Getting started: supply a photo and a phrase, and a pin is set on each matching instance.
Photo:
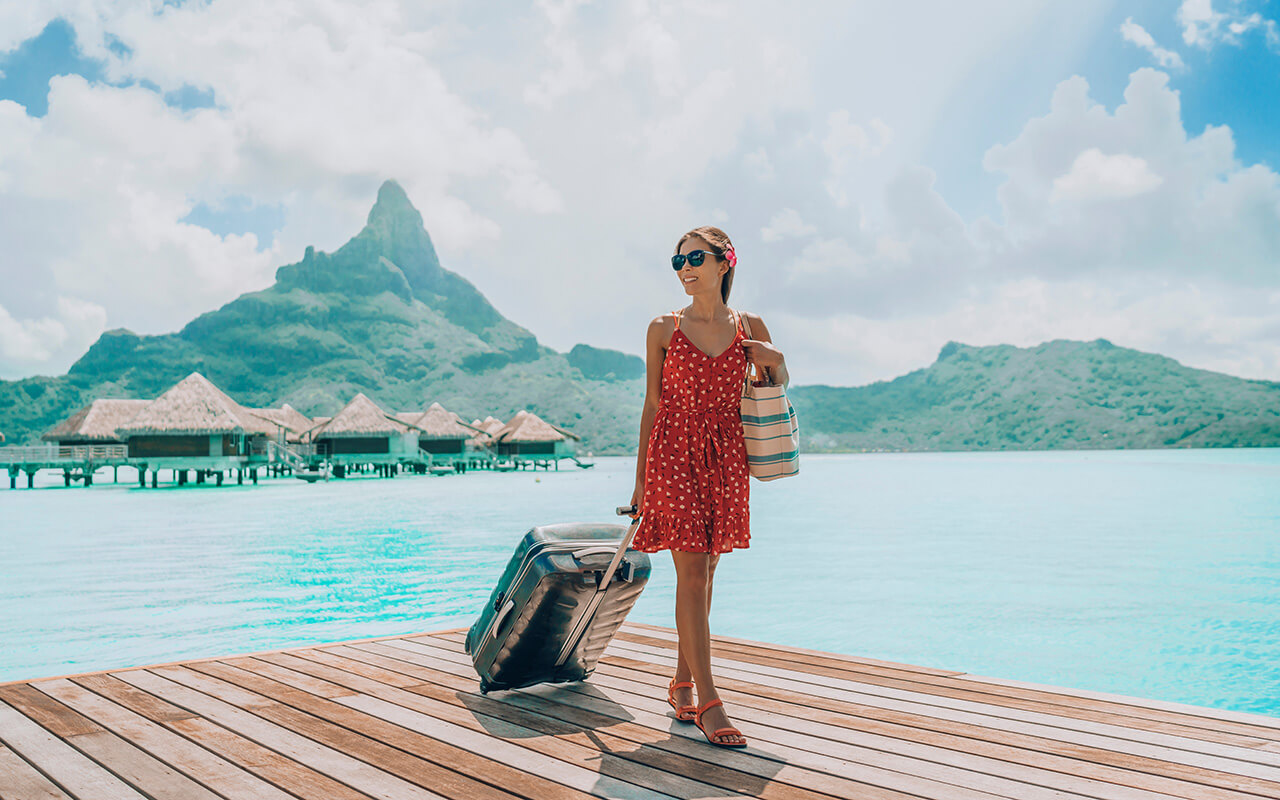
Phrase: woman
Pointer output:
(691, 472)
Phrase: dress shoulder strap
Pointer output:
(677, 314)
(743, 325)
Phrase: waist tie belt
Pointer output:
(705, 448)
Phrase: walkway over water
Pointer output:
(402, 717)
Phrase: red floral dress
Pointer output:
(695, 473)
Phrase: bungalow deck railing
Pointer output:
(296, 456)
(52, 453)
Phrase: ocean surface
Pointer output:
(1146, 573)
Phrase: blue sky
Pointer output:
(895, 175)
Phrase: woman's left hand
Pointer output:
(762, 354)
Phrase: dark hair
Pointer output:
(719, 242)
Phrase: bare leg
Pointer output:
(684, 696)
(693, 571)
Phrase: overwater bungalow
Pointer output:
(363, 433)
(290, 423)
(485, 430)
(96, 423)
(443, 433)
(195, 425)
(527, 437)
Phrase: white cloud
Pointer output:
(1117, 224)
(848, 142)
(1206, 215)
(1203, 27)
(1135, 33)
(1095, 175)
(28, 343)
(786, 224)
(558, 176)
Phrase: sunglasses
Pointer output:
(694, 257)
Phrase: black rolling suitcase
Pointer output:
(563, 595)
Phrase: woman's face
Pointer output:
(705, 278)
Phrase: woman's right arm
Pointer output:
(655, 352)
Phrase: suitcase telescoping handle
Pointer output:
(623, 511)
(571, 641)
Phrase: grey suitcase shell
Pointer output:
(546, 621)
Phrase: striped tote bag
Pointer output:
(769, 426)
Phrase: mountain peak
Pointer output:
(393, 206)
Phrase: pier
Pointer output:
(402, 717)
(79, 465)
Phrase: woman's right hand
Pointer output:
(637, 499)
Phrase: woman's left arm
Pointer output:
(761, 351)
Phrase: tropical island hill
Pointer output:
(381, 316)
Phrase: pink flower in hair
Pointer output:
(731, 257)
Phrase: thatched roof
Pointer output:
(440, 423)
(408, 417)
(360, 417)
(194, 406)
(96, 422)
(480, 432)
(527, 426)
(293, 421)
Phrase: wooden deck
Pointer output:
(402, 718)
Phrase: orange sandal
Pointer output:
(720, 731)
(671, 700)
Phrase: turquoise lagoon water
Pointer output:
(1147, 573)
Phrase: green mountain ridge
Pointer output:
(380, 315)
(1059, 394)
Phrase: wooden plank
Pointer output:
(862, 692)
(21, 781)
(130, 764)
(643, 627)
(139, 702)
(280, 771)
(478, 766)
(78, 775)
(1245, 717)
(410, 755)
(110, 670)
(998, 715)
(1220, 731)
(1119, 709)
(1166, 778)
(1256, 724)
(903, 755)
(136, 767)
(1092, 762)
(647, 746)
(349, 771)
(519, 746)
(1226, 779)
(808, 662)
(908, 783)
(780, 778)
(217, 774)
(53, 716)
